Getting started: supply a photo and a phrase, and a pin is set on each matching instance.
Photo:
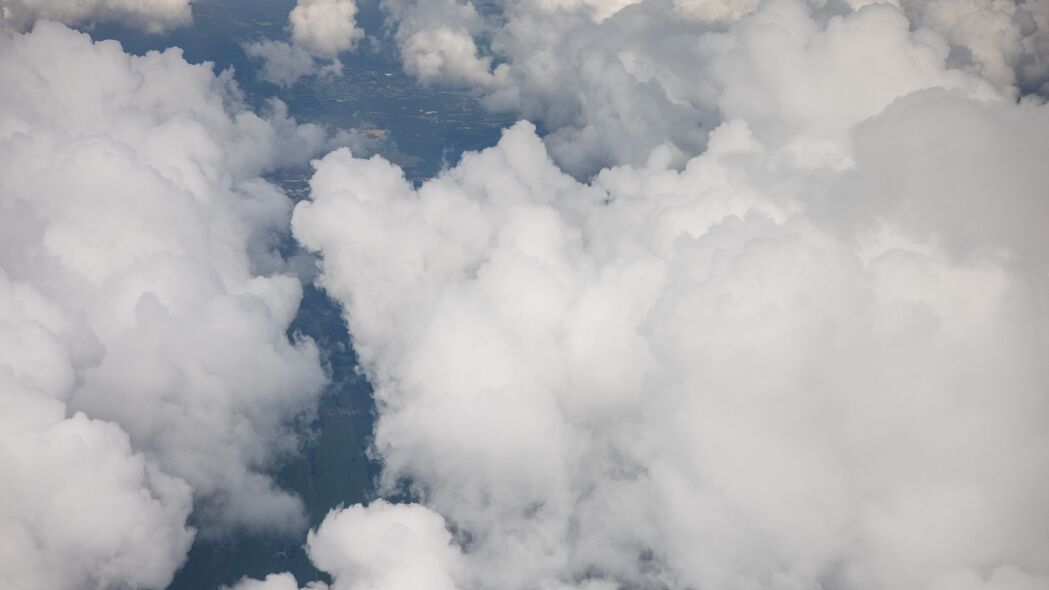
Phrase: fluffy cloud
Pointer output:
(277, 582)
(283, 63)
(79, 507)
(320, 31)
(144, 311)
(153, 15)
(325, 27)
(595, 72)
(436, 41)
(385, 547)
(810, 356)
(789, 333)
(379, 547)
(1007, 41)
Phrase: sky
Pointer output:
(638, 294)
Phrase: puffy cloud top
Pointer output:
(143, 310)
(385, 547)
(810, 356)
(79, 506)
(325, 27)
(787, 332)
(277, 582)
(153, 15)
(320, 31)
(379, 547)
(688, 379)
(612, 80)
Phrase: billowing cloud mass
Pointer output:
(153, 15)
(78, 508)
(1005, 40)
(325, 27)
(320, 31)
(594, 72)
(379, 547)
(385, 547)
(759, 304)
(811, 356)
(144, 311)
(283, 63)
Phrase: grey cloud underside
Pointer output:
(152, 15)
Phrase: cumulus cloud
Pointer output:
(325, 27)
(436, 41)
(144, 310)
(377, 547)
(282, 63)
(79, 507)
(153, 15)
(594, 72)
(320, 31)
(385, 547)
(762, 307)
(809, 356)
(1006, 41)
(277, 582)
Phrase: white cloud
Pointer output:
(385, 547)
(79, 506)
(436, 41)
(1006, 41)
(447, 55)
(649, 70)
(793, 337)
(810, 356)
(144, 311)
(320, 31)
(282, 63)
(325, 27)
(277, 582)
(377, 547)
(153, 15)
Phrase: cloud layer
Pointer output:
(320, 31)
(810, 356)
(79, 506)
(145, 357)
(761, 303)
(152, 15)
(593, 72)
(379, 547)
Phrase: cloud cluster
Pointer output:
(436, 41)
(277, 582)
(595, 71)
(153, 15)
(1007, 41)
(810, 356)
(325, 27)
(79, 507)
(788, 332)
(379, 547)
(320, 31)
(144, 309)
